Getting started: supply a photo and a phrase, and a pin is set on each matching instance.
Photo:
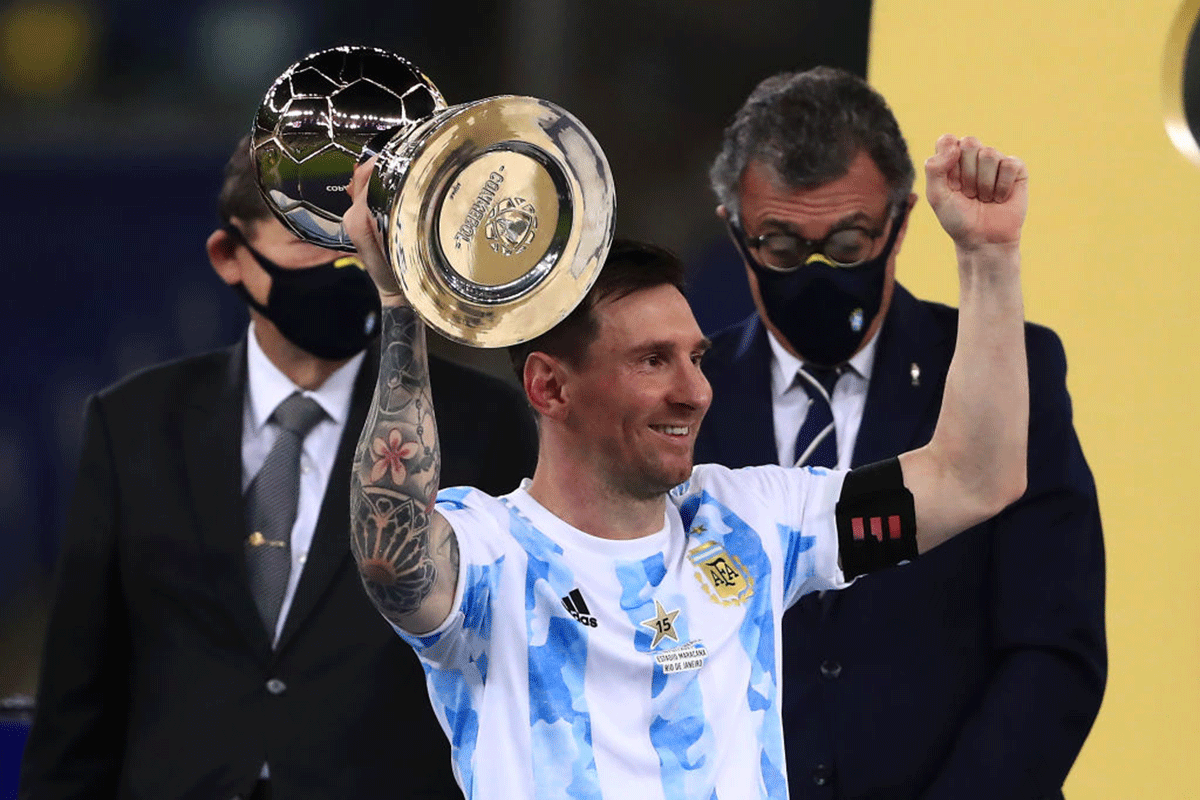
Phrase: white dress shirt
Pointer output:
(266, 388)
(790, 402)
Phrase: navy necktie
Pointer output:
(816, 444)
(271, 507)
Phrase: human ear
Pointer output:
(222, 254)
(544, 380)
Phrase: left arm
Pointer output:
(974, 465)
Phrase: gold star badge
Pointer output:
(662, 623)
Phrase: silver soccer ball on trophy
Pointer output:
(316, 121)
(497, 213)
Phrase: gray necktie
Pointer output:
(271, 507)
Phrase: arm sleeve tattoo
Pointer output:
(395, 476)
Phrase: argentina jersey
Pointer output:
(579, 667)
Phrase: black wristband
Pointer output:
(876, 520)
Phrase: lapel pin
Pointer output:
(914, 372)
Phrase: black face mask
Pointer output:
(823, 311)
(331, 310)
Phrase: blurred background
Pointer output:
(116, 118)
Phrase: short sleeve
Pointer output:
(477, 520)
(792, 511)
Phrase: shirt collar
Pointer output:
(784, 365)
(268, 386)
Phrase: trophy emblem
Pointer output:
(497, 213)
(511, 226)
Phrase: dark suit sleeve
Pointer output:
(1048, 615)
(510, 442)
(75, 747)
(487, 430)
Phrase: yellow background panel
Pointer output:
(1112, 262)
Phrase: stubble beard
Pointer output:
(650, 482)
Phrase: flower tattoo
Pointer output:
(390, 455)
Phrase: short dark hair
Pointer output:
(240, 196)
(630, 267)
(806, 128)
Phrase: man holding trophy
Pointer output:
(612, 626)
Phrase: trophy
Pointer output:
(497, 214)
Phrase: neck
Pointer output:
(583, 499)
(302, 368)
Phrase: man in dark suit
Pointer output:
(162, 676)
(977, 670)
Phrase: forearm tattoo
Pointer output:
(395, 476)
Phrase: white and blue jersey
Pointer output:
(578, 667)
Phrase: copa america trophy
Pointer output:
(497, 214)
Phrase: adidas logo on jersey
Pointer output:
(578, 609)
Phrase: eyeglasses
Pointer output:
(844, 247)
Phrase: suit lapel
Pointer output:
(741, 421)
(330, 550)
(212, 445)
(901, 411)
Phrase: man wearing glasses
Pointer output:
(976, 672)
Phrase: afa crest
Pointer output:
(721, 574)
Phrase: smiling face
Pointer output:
(637, 398)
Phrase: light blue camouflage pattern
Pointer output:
(557, 659)
(566, 662)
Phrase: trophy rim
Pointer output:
(491, 316)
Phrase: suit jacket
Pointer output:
(158, 678)
(975, 671)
